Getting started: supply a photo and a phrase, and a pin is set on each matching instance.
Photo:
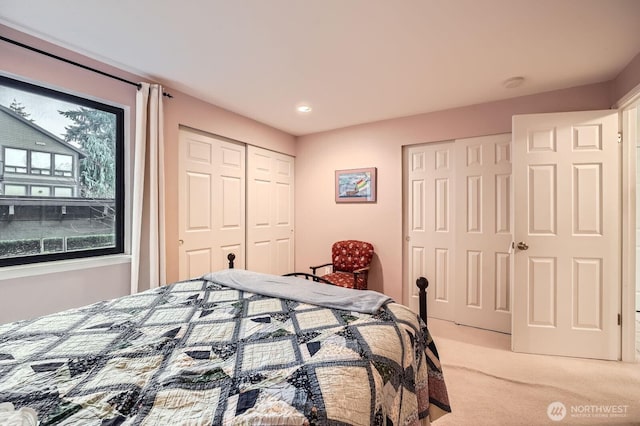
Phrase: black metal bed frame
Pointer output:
(422, 283)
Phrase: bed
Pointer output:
(231, 347)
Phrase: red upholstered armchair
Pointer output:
(350, 264)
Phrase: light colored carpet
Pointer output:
(490, 385)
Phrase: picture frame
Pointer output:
(356, 185)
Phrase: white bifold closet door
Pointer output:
(430, 222)
(270, 226)
(211, 211)
(459, 226)
(233, 198)
(484, 227)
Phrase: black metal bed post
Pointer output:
(422, 284)
(231, 257)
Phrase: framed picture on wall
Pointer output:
(356, 185)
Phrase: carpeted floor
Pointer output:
(490, 385)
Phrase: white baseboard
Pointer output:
(637, 300)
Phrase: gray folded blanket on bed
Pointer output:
(301, 290)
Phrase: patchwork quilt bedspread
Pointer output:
(198, 352)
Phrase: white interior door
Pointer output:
(430, 226)
(270, 225)
(211, 212)
(567, 211)
(483, 232)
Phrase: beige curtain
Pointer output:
(147, 222)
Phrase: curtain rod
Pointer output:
(77, 64)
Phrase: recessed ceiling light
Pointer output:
(304, 108)
(513, 82)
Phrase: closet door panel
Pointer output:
(430, 238)
(270, 226)
(483, 218)
(211, 212)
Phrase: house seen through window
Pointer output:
(61, 175)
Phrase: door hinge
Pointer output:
(619, 137)
(619, 319)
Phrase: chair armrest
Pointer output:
(364, 272)
(313, 268)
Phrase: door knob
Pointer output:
(522, 245)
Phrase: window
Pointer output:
(15, 160)
(62, 170)
(63, 165)
(40, 191)
(40, 163)
(62, 191)
(15, 190)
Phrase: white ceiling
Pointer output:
(353, 61)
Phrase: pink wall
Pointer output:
(62, 290)
(92, 284)
(320, 221)
(626, 81)
(191, 112)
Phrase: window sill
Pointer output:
(22, 271)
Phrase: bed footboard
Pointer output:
(421, 282)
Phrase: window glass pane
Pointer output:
(62, 191)
(15, 189)
(40, 160)
(40, 191)
(78, 152)
(15, 157)
(63, 162)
